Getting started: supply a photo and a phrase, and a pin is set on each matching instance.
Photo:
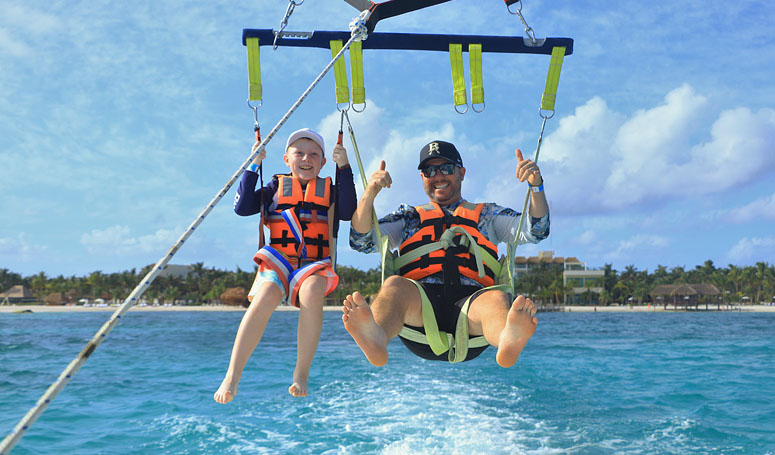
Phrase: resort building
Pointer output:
(577, 278)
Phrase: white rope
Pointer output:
(18, 432)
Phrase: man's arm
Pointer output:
(362, 218)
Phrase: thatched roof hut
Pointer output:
(685, 294)
(681, 290)
(56, 298)
(17, 292)
(235, 296)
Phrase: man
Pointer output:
(446, 291)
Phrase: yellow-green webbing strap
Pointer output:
(383, 241)
(254, 70)
(552, 79)
(477, 85)
(458, 78)
(456, 345)
(340, 74)
(356, 67)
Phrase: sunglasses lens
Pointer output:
(446, 169)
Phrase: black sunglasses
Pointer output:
(446, 169)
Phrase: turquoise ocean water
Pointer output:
(591, 383)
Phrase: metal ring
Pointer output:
(473, 106)
(359, 111)
(541, 114)
(456, 109)
(344, 109)
(508, 7)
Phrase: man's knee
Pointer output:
(397, 283)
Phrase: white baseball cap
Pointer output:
(306, 133)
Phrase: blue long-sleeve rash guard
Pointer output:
(248, 199)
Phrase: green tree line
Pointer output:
(543, 281)
(756, 282)
(202, 285)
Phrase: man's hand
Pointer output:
(379, 179)
(528, 170)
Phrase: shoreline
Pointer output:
(558, 309)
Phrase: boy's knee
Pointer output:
(267, 294)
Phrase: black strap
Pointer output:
(392, 8)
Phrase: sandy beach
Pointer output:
(570, 309)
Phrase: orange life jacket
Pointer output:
(311, 207)
(454, 260)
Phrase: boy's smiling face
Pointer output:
(305, 159)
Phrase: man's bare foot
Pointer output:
(359, 323)
(227, 391)
(520, 326)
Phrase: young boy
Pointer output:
(301, 210)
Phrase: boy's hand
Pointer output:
(261, 155)
(339, 156)
(528, 170)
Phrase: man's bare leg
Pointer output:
(505, 326)
(250, 331)
(308, 333)
(397, 302)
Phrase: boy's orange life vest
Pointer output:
(433, 222)
(311, 207)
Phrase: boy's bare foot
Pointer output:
(299, 386)
(298, 390)
(520, 326)
(359, 323)
(227, 391)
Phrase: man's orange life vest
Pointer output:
(311, 208)
(454, 260)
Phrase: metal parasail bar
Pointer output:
(413, 41)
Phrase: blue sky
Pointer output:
(120, 121)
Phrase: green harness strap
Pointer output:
(458, 78)
(340, 74)
(254, 70)
(477, 84)
(439, 341)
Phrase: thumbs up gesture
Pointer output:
(379, 179)
(528, 170)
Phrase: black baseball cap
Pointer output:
(440, 149)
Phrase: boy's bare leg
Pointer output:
(250, 331)
(372, 327)
(308, 333)
(505, 326)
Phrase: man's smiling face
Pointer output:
(443, 189)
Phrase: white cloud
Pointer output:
(599, 160)
(118, 240)
(762, 208)
(19, 248)
(630, 248)
(749, 250)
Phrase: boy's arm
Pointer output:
(247, 201)
(346, 200)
